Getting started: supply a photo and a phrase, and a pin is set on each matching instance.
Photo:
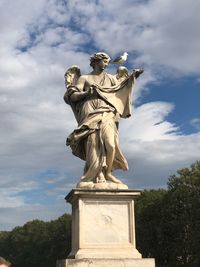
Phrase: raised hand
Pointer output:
(138, 72)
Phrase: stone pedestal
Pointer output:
(103, 229)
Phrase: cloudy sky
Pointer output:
(39, 41)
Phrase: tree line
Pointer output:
(167, 228)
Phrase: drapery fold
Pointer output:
(97, 117)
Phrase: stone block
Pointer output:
(106, 263)
(103, 229)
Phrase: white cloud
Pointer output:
(11, 217)
(152, 162)
(149, 31)
(11, 198)
(154, 147)
(163, 33)
(149, 123)
(195, 122)
(38, 42)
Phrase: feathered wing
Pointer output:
(116, 60)
(72, 75)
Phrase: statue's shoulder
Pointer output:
(112, 78)
(86, 77)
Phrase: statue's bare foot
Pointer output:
(113, 179)
(101, 178)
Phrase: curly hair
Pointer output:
(98, 56)
(5, 262)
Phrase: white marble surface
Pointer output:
(103, 230)
(107, 263)
(110, 223)
(103, 186)
(103, 224)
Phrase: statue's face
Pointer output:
(102, 63)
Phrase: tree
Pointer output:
(38, 243)
(148, 223)
(181, 217)
(168, 221)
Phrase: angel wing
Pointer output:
(71, 75)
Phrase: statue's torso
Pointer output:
(94, 103)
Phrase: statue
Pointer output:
(98, 101)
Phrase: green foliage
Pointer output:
(37, 243)
(148, 223)
(181, 217)
(168, 221)
(189, 177)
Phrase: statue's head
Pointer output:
(97, 57)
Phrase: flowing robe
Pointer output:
(97, 116)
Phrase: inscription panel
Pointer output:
(106, 222)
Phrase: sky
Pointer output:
(40, 41)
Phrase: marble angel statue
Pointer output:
(98, 101)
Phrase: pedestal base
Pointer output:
(103, 229)
(106, 263)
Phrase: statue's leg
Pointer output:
(109, 135)
(94, 158)
(101, 178)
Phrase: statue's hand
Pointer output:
(141, 70)
(138, 72)
(90, 91)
